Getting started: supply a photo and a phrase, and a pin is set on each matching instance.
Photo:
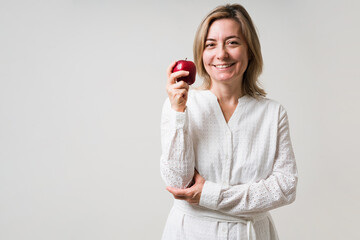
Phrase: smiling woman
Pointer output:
(227, 156)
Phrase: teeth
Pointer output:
(223, 66)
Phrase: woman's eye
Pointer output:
(233, 43)
(209, 45)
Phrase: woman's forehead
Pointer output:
(224, 27)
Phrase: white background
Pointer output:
(81, 89)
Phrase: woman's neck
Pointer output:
(228, 94)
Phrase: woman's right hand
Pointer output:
(177, 90)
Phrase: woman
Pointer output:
(226, 150)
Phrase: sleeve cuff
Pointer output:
(178, 119)
(210, 195)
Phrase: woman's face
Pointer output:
(225, 55)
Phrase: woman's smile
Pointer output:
(223, 66)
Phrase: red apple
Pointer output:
(184, 65)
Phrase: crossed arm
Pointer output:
(192, 194)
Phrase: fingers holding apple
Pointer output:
(176, 76)
(181, 74)
(177, 91)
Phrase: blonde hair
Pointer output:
(250, 84)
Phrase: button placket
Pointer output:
(223, 230)
(227, 162)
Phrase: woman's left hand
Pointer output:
(191, 194)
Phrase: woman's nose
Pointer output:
(221, 52)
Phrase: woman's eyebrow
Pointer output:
(233, 37)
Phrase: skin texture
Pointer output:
(225, 45)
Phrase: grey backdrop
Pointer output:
(81, 89)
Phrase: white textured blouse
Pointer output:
(248, 164)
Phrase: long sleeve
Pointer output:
(177, 159)
(278, 189)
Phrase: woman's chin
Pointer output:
(224, 79)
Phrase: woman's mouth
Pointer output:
(223, 66)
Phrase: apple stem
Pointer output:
(185, 59)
